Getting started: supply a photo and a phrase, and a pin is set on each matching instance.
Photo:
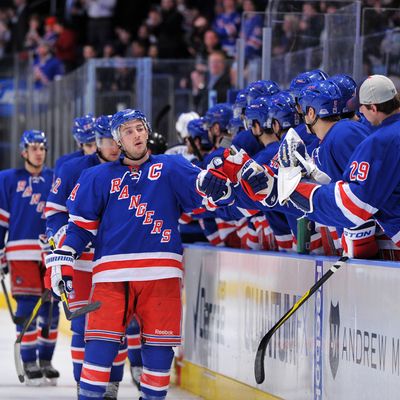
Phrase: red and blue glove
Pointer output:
(360, 242)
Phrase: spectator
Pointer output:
(210, 43)
(137, 49)
(99, 29)
(88, 52)
(50, 35)
(143, 35)
(33, 38)
(310, 26)
(252, 30)
(123, 40)
(170, 37)
(227, 26)
(65, 46)
(287, 40)
(153, 51)
(217, 78)
(108, 50)
(19, 25)
(5, 36)
(76, 18)
(199, 27)
(46, 67)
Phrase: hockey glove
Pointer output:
(259, 183)
(360, 242)
(60, 267)
(232, 163)
(3, 263)
(214, 186)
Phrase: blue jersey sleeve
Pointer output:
(85, 203)
(182, 177)
(367, 185)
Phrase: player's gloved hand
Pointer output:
(60, 268)
(360, 242)
(3, 263)
(287, 149)
(213, 185)
(259, 183)
(232, 163)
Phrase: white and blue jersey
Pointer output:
(22, 201)
(133, 212)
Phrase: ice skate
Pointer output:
(33, 374)
(136, 373)
(50, 374)
(112, 391)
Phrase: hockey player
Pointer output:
(83, 133)
(23, 195)
(132, 206)
(57, 220)
(364, 192)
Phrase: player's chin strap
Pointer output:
(310, 126)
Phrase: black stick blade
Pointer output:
(80, 311)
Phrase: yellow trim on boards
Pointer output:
(212, 386)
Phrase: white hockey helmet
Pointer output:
(182, 121)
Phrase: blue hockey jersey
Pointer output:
(22, 201)
(56, 209)
(370, 185)
(333, 152)
(66, 157)
(134, 213)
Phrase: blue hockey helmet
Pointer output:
(82, 129)
(283, 110)
(102, 127)
(261, 88)
(240, 103)
(235, 125)
(347, 86)
(196, 129)
(324, 97)
(305, 78)
(124, 116)
(220, 114)
(257, 110)
(32, 136)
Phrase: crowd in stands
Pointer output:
(176, 29)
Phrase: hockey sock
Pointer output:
(47, 344)
(117, 369)
(25, 305)
(154, 381)
(78, 345)
(99, 357)
(77, 353)
(134, 344)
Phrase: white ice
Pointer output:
(12, 389)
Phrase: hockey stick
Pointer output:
(259, 371)
(195, 148)
(80, 311)
(15, 319)
(17, 344)
(47, 327)
(162, 113)
(64, 299)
